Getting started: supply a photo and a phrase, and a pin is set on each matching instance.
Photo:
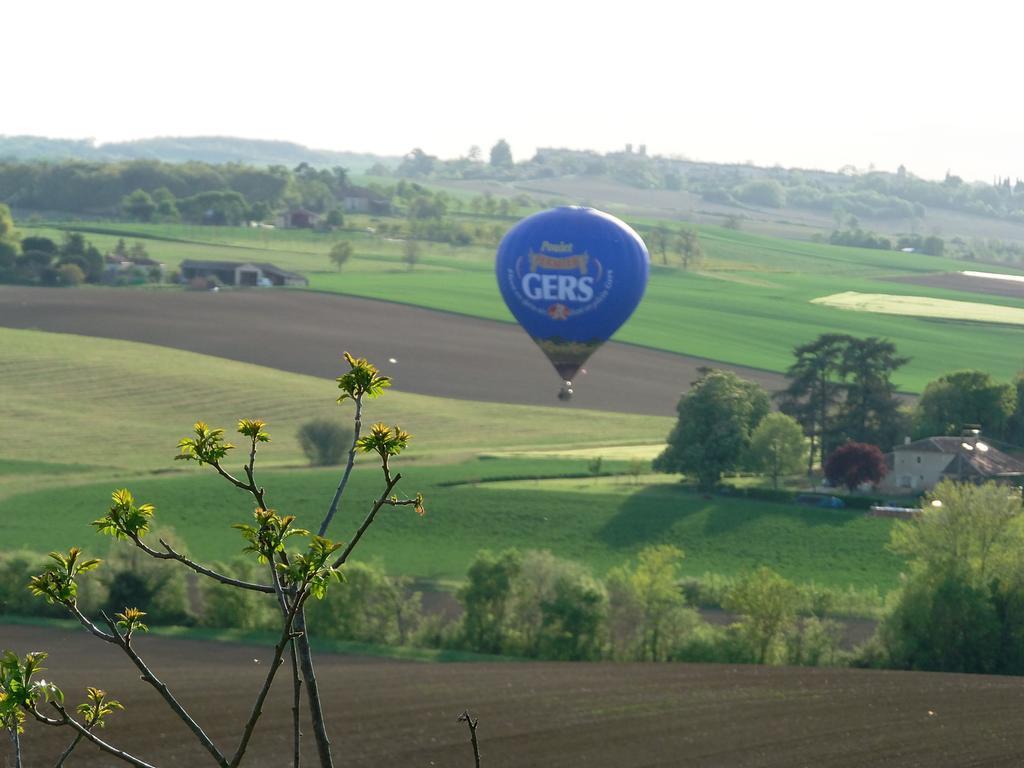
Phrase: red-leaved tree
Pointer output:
(852, 464)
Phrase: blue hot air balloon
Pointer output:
(571, 276)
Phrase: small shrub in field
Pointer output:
(324, 442)
(70, 274)
(225, 606)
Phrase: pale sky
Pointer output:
(933, 85)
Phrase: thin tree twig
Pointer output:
(92, 628)
(66, 719)
(348, 468)
(282, 603)
(380, 502)
(90, 723)
(466, 718)
(171, 554)
(165, 693)
(67, 752)
(228, 476)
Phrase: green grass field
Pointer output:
(602, 526)
(83, 416)
(750, 304)
(116, 406)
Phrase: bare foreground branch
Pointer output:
(316, 713)
(16, 744)
(165, 693)
(287, 635)
(66, 719)
(466, 718)
(296, 704)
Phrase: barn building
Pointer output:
(240, 273)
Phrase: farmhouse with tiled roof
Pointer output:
(919, 465)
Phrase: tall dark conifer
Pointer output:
(870, 411)
(814, 390)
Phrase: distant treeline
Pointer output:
(871, 194)
(867, 194)
(102, 187)
(208, 149)
(232, 193)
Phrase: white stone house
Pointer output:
(919, 465)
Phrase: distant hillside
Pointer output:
(210, 149)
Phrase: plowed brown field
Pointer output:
(437, 353)
(552, 715)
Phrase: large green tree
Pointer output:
(716, 419)
(6, 223)
(485, 599)
(8, 244)
(777, 447)
(1015, 425)
(767, 603)
(687, 245)
(340, 253)
(657, 240)
(965, 398)
(649, 613)
(501, 154)
(139, 205)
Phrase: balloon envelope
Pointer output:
(571, 277)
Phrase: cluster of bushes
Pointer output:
(130, 579)
(861, 238)
(961, 608)
(539, 606)
(532, 605)
(42, 261)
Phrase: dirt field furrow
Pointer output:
(546, 714)
(436, 353)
